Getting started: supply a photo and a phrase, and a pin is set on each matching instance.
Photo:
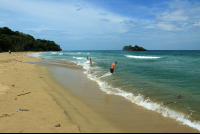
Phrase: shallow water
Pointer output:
(166, 82)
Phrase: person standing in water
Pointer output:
(87, 57)
(90, 62)
(112, 67)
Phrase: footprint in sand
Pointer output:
(3, 88)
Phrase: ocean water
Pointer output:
(167, 82)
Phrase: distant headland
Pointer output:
(136, 48)
(16, 41)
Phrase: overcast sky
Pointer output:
(107, 24)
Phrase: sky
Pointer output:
(107, 24)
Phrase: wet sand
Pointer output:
(59, 92)
(118, 111)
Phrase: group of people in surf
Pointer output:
(112, 66)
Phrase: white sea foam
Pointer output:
(141, 57)
(82, 53)
(148, 104)
(107, 74)
(78, 58)
(36, 55)
(53, 52)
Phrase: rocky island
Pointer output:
(136, 48)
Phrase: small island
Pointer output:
(136, 48)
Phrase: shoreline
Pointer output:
(77, 107)
(120, 112)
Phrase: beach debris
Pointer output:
(13, 85)
(24, 93)
(179, 96)
(23, 109)
(40, 77)
(58, 125)
(15, 98)
(6, 115)
(19, 110)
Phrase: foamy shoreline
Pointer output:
(48, 107)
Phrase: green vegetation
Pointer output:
(17, 41)
(136, 48)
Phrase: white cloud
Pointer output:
(130, 23)
(41, 28)
(102, 13)
(168, 27)
(171, 21)
(175, 16)
(80, 7)
(150, 26)
(196, 24)
(180, 16)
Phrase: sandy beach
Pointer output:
(45, 97)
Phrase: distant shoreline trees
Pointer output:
(17, 41)
(136, 48)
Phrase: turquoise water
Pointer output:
(167, 82)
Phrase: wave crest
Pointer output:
(141, 57)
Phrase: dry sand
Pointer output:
(23, 87)
(32, 101)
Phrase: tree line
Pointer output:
(136, 48)
(17, 41)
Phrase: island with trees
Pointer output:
(136, 48)
(17, 41)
